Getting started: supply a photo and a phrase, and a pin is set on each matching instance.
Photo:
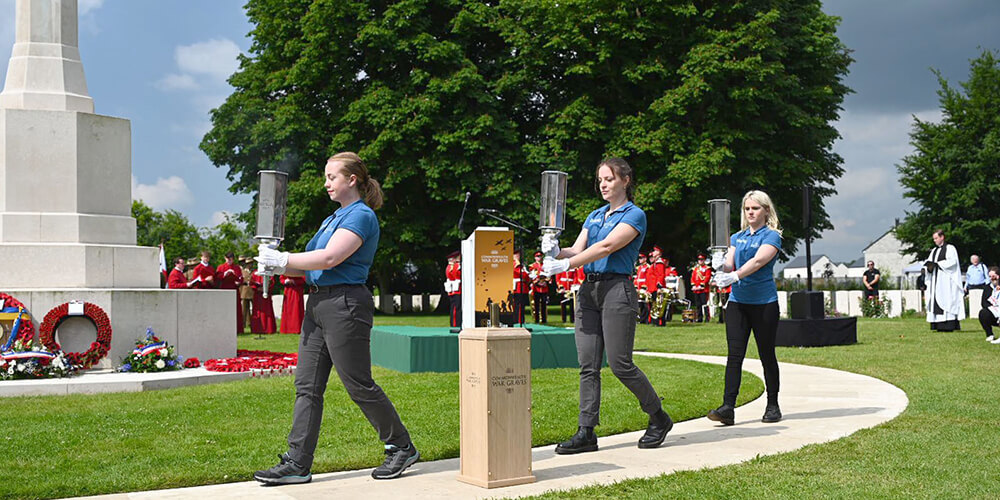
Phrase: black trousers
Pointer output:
(762, 320)
(987, 320)
(456, 309)
(699, 301)
(520, 301)
(336, 335)
(723, 297)
(540, 307)
(564, 306)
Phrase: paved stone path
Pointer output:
(819, 405)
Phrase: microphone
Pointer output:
(488, 211)
(465, 205)
(468, 194)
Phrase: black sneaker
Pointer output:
(772, 414)
(584, 440)
(724, 414)
(659, 425)
(286, 472)
(396, 461)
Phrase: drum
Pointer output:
(689, 316)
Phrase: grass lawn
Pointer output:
(57, 446)
(945, 445)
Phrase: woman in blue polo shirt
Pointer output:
(336, 329)
(607, 304)
(753, 304)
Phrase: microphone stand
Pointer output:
(465, 206)
(500, 216)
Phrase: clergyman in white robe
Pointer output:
(945, 295)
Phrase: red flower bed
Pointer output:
(253, 360)
(192, 363)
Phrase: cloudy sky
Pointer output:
(163, 65)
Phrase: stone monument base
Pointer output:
(198, 323)
(72, 265)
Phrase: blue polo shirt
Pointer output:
(759, 287)
(598, 228)
(359, 219)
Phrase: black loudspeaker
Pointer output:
(807, 305)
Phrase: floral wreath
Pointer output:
(98, 349)
(25, 330)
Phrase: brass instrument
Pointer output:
(659, 307)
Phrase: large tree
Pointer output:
(444, 97)
(953, 175)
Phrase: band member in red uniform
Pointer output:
(204, 273)
(262, 318)
(453, 286)
(293, 304)
(539, 290)
(641, 272)
(177, 278)
(229, 276)
(564, 283)
(655, 275)
(701, 275)
(520, 288)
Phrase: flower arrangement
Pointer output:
(22, 362)
(151, 355)
(98, 349)
(192, 363)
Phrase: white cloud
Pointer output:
(218, 218)
(174, 81)
(86, 6)
(215, 58)
(171, 192)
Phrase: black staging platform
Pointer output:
(817, 332)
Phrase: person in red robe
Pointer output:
(204, 273)
(262, 318)
(293, 307)
(229, 276)
(176, 279)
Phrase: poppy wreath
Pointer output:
(27, 330)
(98, 349)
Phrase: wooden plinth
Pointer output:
(495, 406)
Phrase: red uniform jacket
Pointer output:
(641, 273)
(262, 317)
(176, 279)
(204, 272)
(521, 279)
(293, 306)
(541, 282)
(700, 277)
(453, 273)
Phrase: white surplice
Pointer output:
(944, 286)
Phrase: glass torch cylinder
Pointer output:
(271, 205)
(718, 211)
(552, 217)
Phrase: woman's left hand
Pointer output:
(552, 266)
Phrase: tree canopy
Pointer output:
(180, 238)
(443, 97)
(953, 175)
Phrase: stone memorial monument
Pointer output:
(66, 230)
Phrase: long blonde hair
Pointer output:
(765, 201)
(368, 188)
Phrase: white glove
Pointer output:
(723, 280)
(228, 272)
(718, 260)
(550, 245)
(551, 266)
(271, 258)
(265, 270)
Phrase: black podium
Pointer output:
(809, 328)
